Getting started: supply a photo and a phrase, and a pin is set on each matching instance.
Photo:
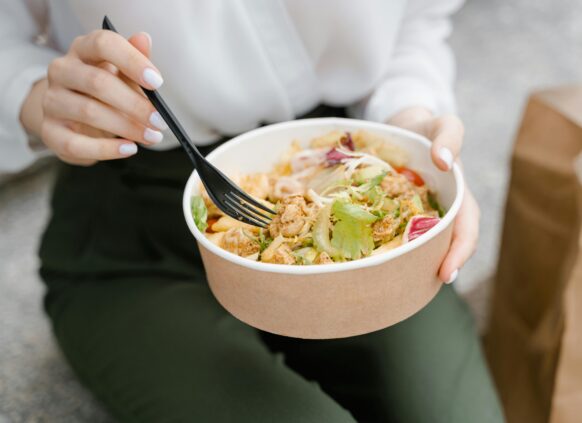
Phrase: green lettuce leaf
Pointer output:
(377, 180)
(199, 212)
(321, 229)
(352, 232)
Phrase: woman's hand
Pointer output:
(91, 97)
(446, 133)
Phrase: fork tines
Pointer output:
(248, 209)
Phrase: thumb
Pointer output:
(143, 42)
(447, 138)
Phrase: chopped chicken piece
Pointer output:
(323, 258)
(385, 229)
(291, 217)
(395, 184)
(238, 242)
(311, 210)
(281, 255)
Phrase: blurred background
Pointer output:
(505, 50)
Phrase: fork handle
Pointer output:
(163, 109)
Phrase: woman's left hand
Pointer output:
(446, 132)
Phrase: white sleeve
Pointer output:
(22, 64)
(422, 68)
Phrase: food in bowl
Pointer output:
(345, 197)
(336, 300)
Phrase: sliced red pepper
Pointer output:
(411, 175)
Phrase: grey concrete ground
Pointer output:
(504, 48)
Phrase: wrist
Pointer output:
(31, 112)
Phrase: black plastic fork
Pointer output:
(227, 196)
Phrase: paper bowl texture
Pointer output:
(334, 300)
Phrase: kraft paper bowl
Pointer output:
(335, 300)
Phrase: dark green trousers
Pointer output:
(134, 317)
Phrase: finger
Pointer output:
(136, 88)
(75, 161)
(142, 41)
(464, 242)
(68, 105)
(106, 87)
(447, 136)
(109, 68)
(108, 46)
(68, 144)
(87, 130)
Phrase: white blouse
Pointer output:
(230, 65)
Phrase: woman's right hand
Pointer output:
(91, 97)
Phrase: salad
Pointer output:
(347, 196)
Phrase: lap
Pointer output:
(158, 350)
(428, 368)
(163, 350)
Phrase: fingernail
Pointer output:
(453, 277)
(152, 78)
(446, 156)
(157, 121)
(152, 136)
(127, 149)
(149, 37)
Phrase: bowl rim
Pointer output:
(334, 267)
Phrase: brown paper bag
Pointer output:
(567, 402)
(537, 261)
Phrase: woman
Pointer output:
(126, 290)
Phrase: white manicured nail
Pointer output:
(149, 37)
(446, 156)
(152, 78)
(152, 136)
(157, 121)
(453, 277)
(127, 149)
